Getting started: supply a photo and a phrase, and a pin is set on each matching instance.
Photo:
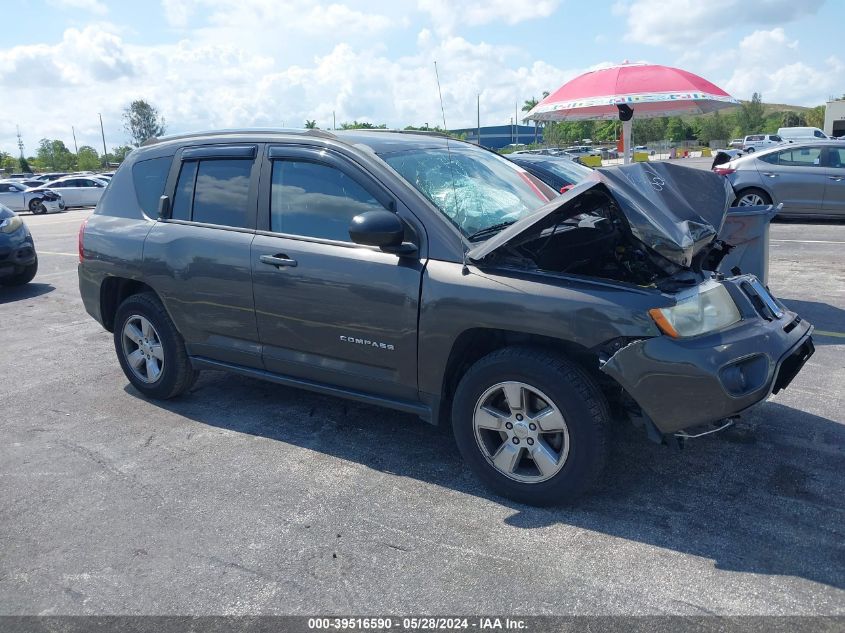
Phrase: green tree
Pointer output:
(311, 124)
(7, 162)
(677, 130)
(52, 154)
(712, 128)
(792, 119)
(142, 121)
(363, 125)
(118, 154)
(815, 116)
(24, 165)
(87, 159)
(529, 105)
(751, 115)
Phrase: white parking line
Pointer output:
(40, 252)
(808, 241)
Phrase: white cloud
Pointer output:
(792, 81)
(94, 6)
(447, 15)
(686, 23)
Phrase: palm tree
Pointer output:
(310, 125)
(528, 106)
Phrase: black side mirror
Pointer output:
(383, 229)
(164, 208)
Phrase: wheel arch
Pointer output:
(113, 292)
(761, 187)
(475, 343)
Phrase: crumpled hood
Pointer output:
(676, 211)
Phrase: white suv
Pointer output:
(753, 142)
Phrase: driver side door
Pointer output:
(329, 310)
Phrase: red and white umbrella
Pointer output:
(640, 90)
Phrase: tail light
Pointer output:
(723, 171)
(566, 188)
(80, 238)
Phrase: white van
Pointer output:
(802, 134)
(754, 142)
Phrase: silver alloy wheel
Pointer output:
(142, 348)
(750, 200)
(521, 432)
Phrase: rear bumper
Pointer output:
(89, 291)
(681, 383)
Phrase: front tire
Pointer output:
(533, 426)
(37, 207)
(150, 349)
(23, 277)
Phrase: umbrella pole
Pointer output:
(627, 127)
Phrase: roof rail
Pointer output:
(233, 131)
(382, 129)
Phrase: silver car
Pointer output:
(78, 191)
(807, 178)
(18, 197)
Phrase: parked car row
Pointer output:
(56, 195)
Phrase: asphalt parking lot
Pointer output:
(245, 497)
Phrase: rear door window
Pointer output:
(801, 157)
(213, 191)
(222, 192)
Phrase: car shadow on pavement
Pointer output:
(27, 291)
(823, 316)
(763, 497)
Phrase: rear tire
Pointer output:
(750, 150)
(552, 407)
(150, 349)
(23, 277)
(752, 197)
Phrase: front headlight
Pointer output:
(10, 225)
(710, 308)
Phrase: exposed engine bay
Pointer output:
(650, 224)
(592, 239)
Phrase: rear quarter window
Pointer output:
(149, 178)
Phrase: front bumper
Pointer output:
(53, 205)
(681, 383)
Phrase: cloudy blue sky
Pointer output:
(227, 63)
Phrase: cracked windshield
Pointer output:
(475, 189)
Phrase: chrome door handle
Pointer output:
(836, 178)
(278, 260)
(770, 174)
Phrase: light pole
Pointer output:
(103, 133)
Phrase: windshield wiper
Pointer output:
(490, 229)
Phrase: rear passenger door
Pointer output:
(89, 191)
(198, 259)
(797, 178)
(329, 310)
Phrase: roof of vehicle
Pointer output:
(379, 140)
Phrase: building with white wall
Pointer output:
(834, 118)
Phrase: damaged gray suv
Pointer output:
(434, 277)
